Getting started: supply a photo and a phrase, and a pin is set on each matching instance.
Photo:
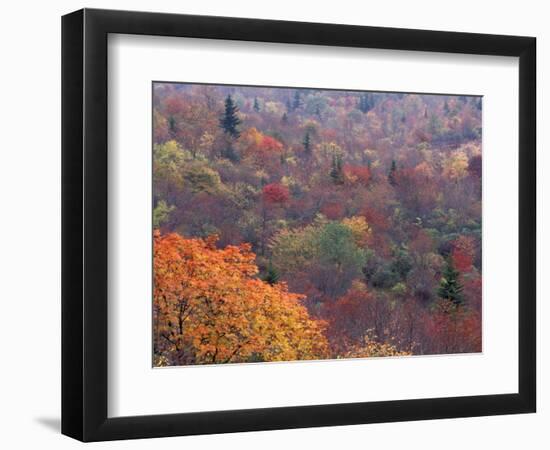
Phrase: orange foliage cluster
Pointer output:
(210, 308)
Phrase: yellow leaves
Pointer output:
(360, 229)
(210, 309)
(371, 348)
(456, 166)
(252, 137)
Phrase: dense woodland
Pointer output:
(310, 224)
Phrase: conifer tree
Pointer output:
(366, 102)
(172, 124)
(391, 174)
(256, 105)
(307, 144)
(272, 275)
(336, 171)
(450, 287)
(230, 121)
(284, 118)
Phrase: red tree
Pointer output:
(275, 193)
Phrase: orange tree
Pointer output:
(209, 307)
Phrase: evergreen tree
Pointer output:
(307, 144)
(288, 105)
(336, 171)
(391, 174)
(366, 102)
(256, 105)
(284, 119)
(230, 121)
(172, 124)
(450, 287)
(272, 275)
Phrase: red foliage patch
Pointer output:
(359, 174)
(275, 193)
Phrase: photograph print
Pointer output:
(295, 224)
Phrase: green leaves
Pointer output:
(450, 287)
(230, 121)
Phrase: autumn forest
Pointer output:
(307, 224)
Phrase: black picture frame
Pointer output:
(85, 236)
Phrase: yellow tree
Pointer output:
(210, 308)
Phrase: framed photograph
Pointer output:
(273, 224)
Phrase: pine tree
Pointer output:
(366, 102)
(172, 124)
(288, 105)
(272, 275)
(256, 105)
(336, 172)
(230, 121)
(450, 287)
(391, 174)
(284, 119)
(307, 144)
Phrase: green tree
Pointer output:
(201, 178)
(284, 118)
(450, 287)
(271, 275)
(339, 259)
(161, 213)
(168, 162)
(336, 171)
(366, 102)
(172, 124)
(256, 105)
(230, 121)
(391, 174)
(336, 246)
(307, 144)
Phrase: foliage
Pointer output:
(450, 287)
(370, 348)
(209, 308)
(161, 213)
(275, 193)
(362, 209)
(230, 121)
